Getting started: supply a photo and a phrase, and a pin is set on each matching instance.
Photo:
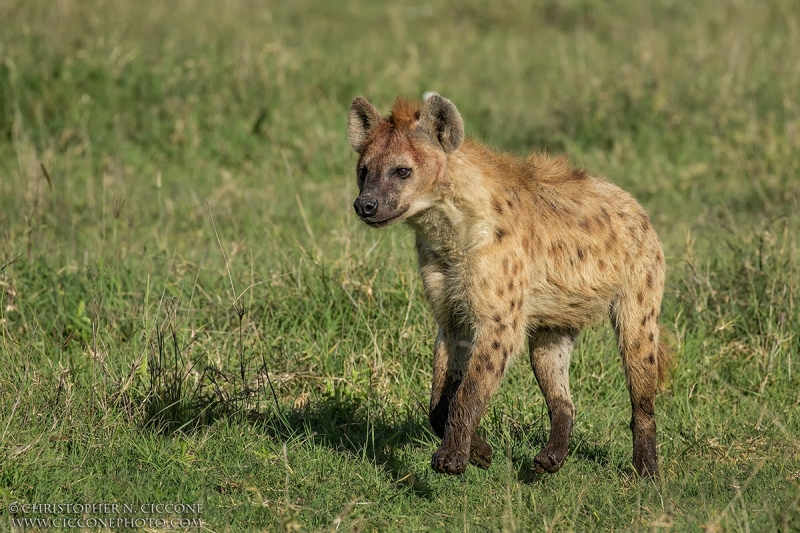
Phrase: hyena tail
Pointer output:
(666, 360)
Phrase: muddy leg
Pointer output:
(451, 356)
(637, 332)
(487, 365)
(550, 352)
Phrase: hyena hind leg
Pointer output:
(635, 321)
(550, 351)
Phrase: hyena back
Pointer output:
(512, 250)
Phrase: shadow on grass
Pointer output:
(361, 428)
(344, 421)
(175, 395)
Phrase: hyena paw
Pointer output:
(549, 460)
(480, 453)
(645, 457)
(447, 461)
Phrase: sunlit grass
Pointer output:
(190, 311)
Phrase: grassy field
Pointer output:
(190, 312)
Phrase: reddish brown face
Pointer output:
(390, 179)
(401, 157)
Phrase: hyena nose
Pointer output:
(365, 206)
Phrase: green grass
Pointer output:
(191, 313)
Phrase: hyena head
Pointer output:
(402, 158)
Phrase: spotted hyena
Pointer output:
(512, 250)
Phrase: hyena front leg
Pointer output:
(450, 360)
(550, 352)
(635, 319)
(493, 348)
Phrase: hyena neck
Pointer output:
(457, 222)
(438, 232)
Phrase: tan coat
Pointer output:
(512, 250)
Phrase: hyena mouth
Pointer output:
(384, 222)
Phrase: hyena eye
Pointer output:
(404, 172)
(362, 174)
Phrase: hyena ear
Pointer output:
(441, 119)
(363, 117)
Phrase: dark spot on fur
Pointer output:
(489, 366)
(598, 220)
(636, 346)
(580, 253)
(611, 241)
(509, 203)
(573, 305)
(651, 359)
(640, 297)
(502, 327)
(645, 222)
(601, 264)
(497, 207)
(585, 223)
(651, 337)
(515, 323)
(605, 214)
(511, 284)
(500, 233)
(513, 303)
(578, 174)
(505, 353)
(496, 345)
(501, 292)
(649, 280)
(497, 318)
(644, 319)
